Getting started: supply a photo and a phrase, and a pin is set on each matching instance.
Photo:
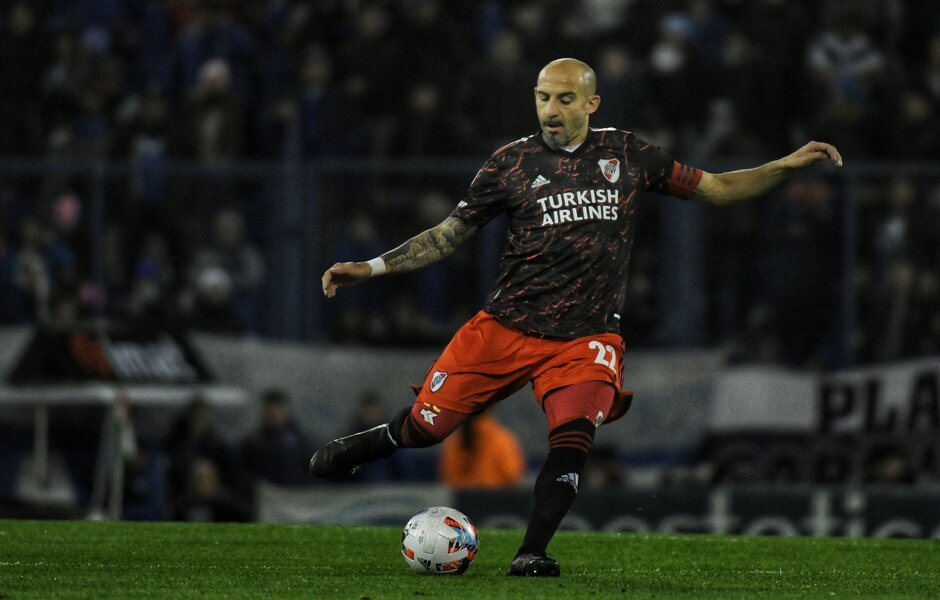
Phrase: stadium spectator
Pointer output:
(329, 124)
(849, 89)
(365, 60)
(200, 462)
(800, 249)
(674, 67)
(416, 130)
(496, 111)
(277, 451)
(724, 137)
(206, 499)
(482, 453)
(779, 30)
(8, 291)
(912, 137)
(931, 73)
(623, 83)
(215, 34)
(150, 303)
(31, 272)
(213, 128)
(226, 277)
(23, 55)
(130, 81)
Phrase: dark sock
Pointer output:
(557, 483)
(395, 425)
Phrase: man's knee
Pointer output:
(423, 425)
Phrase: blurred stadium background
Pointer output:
(175, 176)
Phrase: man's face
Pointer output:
(563, 104)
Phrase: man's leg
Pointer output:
(569, 441)
(418, 426)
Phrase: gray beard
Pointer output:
(555, 143)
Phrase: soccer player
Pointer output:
(553, 315)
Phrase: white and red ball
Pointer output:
(439, 540)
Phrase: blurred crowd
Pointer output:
(220, 79)
(216, 82)
(195, 469)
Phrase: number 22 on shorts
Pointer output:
(606, 355)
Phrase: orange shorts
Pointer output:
(487, 361)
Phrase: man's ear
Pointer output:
(593, 104)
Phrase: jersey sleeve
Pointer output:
(488, 193)
(666, 176)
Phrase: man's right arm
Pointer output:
(420, 251)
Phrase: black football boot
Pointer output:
(528, 564)
(346, 454)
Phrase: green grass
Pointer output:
(173, 560)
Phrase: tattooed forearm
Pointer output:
(428, 246)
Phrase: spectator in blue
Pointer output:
(278, 451)
(215, 34)
(848, 73)
(231, 262)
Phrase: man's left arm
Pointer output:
(734, 186)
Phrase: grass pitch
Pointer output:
(174, 560)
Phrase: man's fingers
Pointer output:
(834, 155)
(822, 151)
(339, 275)
(329, 288)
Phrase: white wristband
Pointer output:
(378, 266)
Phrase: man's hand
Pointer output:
(344, 275)
(811, 153)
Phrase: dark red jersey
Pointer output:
(571, 214)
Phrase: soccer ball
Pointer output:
(439, 540)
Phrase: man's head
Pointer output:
(275, 409)
(565, 97)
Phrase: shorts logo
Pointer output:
(610, 168)
(428, 415)
(438, 380)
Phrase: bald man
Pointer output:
(552, 318)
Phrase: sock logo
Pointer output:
(438, 380)
(570, 478)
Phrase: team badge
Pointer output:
(610, 168)
(438, 380)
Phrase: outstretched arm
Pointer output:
(423, 249)
(725, 188)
